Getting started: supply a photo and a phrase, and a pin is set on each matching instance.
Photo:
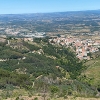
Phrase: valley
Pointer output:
(50, 56)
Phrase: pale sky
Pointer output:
(42, 6)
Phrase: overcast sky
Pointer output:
(40, 6)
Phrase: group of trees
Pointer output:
(9, 53)
(12, 78)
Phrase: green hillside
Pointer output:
(39, 67)
(39, 57)
(93, 72)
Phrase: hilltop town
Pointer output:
(82, 47)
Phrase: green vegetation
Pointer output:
(44, 68)
(14, 79)
(92, 74)
(42, 58)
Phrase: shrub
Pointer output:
(35, 98)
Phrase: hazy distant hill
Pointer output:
(78, 22)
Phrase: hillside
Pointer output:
(37, 67)
(92, 73)
(39, 56)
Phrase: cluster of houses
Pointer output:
(82, 47)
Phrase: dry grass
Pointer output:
(41, 98)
